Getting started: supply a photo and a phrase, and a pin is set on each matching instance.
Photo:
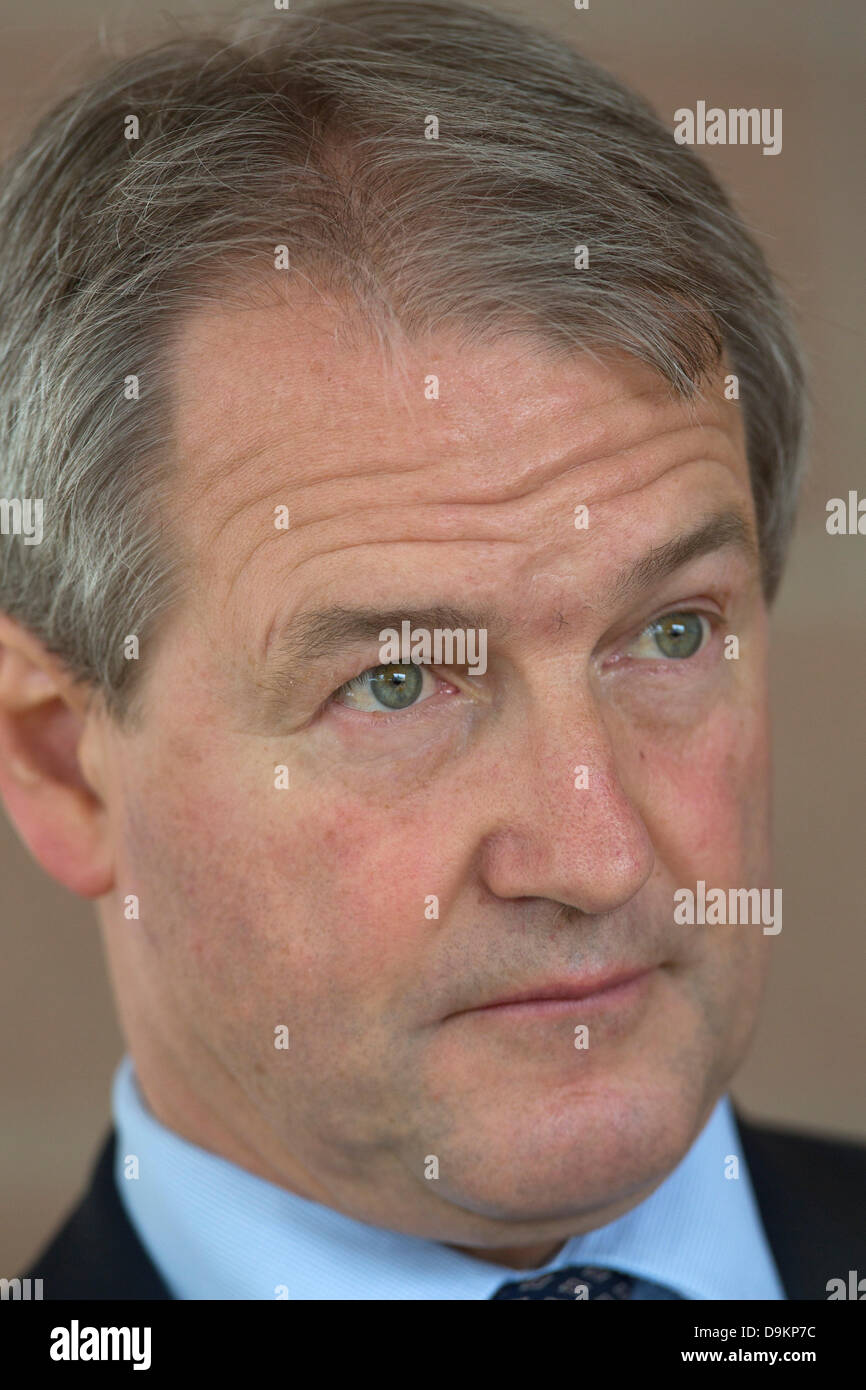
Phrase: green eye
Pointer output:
(677, 634)
(395, 687)
(385, 687)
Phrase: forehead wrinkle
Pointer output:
(358, 545)
(601, 476)
(256, 499)
(394, 542)
(238, 464)
(317, 635)
(274, 448)
(443, 520)
(608, 476)
(615, 438)
(430, 515)
(211, 537)
(362, 474)
(717, 531)
(609, 484)
(630, 461)
(595, 415)
(217, 468)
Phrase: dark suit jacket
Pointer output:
(811, 1192)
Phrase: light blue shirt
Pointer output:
(215, 1231)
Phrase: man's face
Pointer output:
(311, 906)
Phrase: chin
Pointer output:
(575, 1157)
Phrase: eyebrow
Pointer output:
(325, 633)
(722, 530)
(320, 635)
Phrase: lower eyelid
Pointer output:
(384, 718)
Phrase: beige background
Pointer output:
(58, 1038)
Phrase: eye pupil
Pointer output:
(395, 687)
(678, 634)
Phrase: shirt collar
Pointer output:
(215, 1231)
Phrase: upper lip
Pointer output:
(565, 989)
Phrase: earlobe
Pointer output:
(56, 811)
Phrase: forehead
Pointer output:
(300, 371)
(291, 403)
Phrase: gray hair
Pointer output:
(308, 129)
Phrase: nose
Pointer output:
(556, 833)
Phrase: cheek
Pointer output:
(708, 814)
(192, 850)
(706, 799)
(366, 866)
(246, 888)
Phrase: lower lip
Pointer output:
(615, 997)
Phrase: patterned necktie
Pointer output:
(574, 1282)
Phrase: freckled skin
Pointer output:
(305, 907)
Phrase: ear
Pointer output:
(54, 805)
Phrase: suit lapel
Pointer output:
(810, 1195)
(97, 1254)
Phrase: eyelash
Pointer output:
(359, 684)
(713, 621)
